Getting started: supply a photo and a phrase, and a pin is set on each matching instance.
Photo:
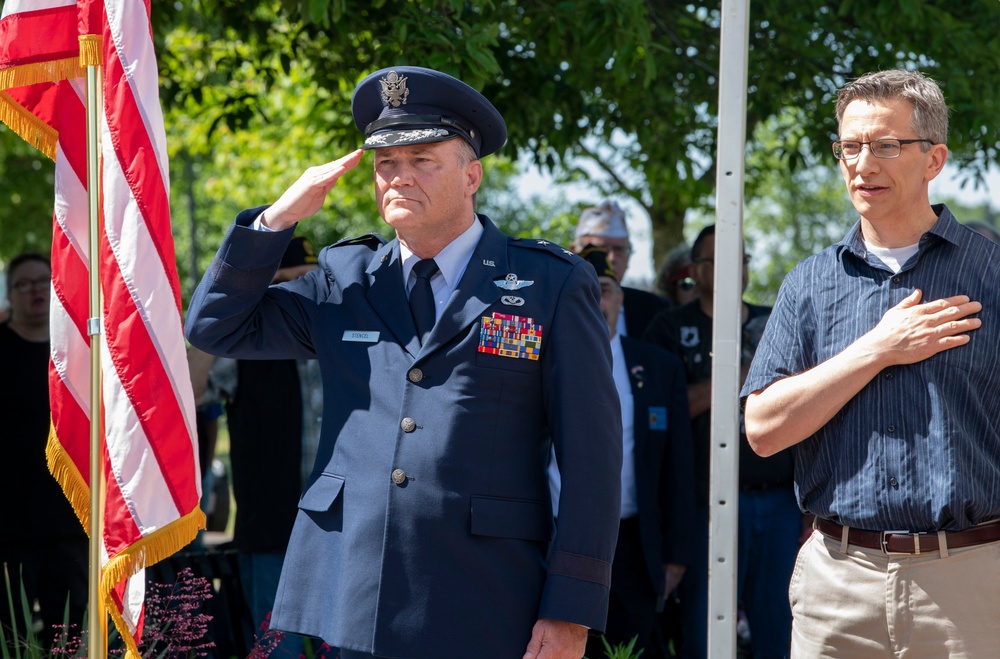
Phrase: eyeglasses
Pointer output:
(888, 148)
(31, 285)
(619, 250)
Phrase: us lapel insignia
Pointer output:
(512, 301)
(510, 282)
(510, 336)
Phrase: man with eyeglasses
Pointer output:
(40, 528)
(769, 522)
(880, 363)
(604, 226)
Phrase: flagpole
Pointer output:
(97, 621)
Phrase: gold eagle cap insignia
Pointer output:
(512, 283)
(394, 90)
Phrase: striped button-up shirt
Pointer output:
(918, 448)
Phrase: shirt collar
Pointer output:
(945, 228)
(616, 347)
(453, 259)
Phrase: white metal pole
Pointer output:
(724, 491)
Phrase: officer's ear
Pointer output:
(474, 176)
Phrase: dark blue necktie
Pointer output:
(422, 297)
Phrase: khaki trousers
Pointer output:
(850, 602)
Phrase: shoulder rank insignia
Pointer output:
(512, 283)
(545, 246)
(372, 240)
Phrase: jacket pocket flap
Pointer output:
(320, 492)
(511, 518)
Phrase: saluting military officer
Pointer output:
(450, 361)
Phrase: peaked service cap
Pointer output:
(412, 105)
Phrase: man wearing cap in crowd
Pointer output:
(425, 529)
(604, 226)
(657, 492)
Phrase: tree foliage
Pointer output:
(621, 94)
(631, 87)
(26, 200)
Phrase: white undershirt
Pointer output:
(894, 257)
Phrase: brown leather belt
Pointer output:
(906, 542)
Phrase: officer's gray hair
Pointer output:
(930, 112)
(466, 154)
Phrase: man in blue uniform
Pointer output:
(657, 494)
(450, 365)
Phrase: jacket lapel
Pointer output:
(387, 296)
(640, 399)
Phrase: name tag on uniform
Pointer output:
(360, 337)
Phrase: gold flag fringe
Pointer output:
(90, 50)
(152, 548)
(32, 130)
(69, 478)
(32, 74)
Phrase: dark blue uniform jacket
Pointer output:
(426, 529)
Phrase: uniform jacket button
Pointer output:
(398, 476)
(415, 375)
(408, 425)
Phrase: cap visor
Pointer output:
(387, 138)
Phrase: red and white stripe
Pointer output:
(151, 454)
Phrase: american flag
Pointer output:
(150, 460)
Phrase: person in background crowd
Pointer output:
(43, 545)
(274, 409)
(880, 364)
(604, 226)
(769, 518)
(674, 279)
(657, 512)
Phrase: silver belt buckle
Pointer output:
(885, 540)
(913, 534)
